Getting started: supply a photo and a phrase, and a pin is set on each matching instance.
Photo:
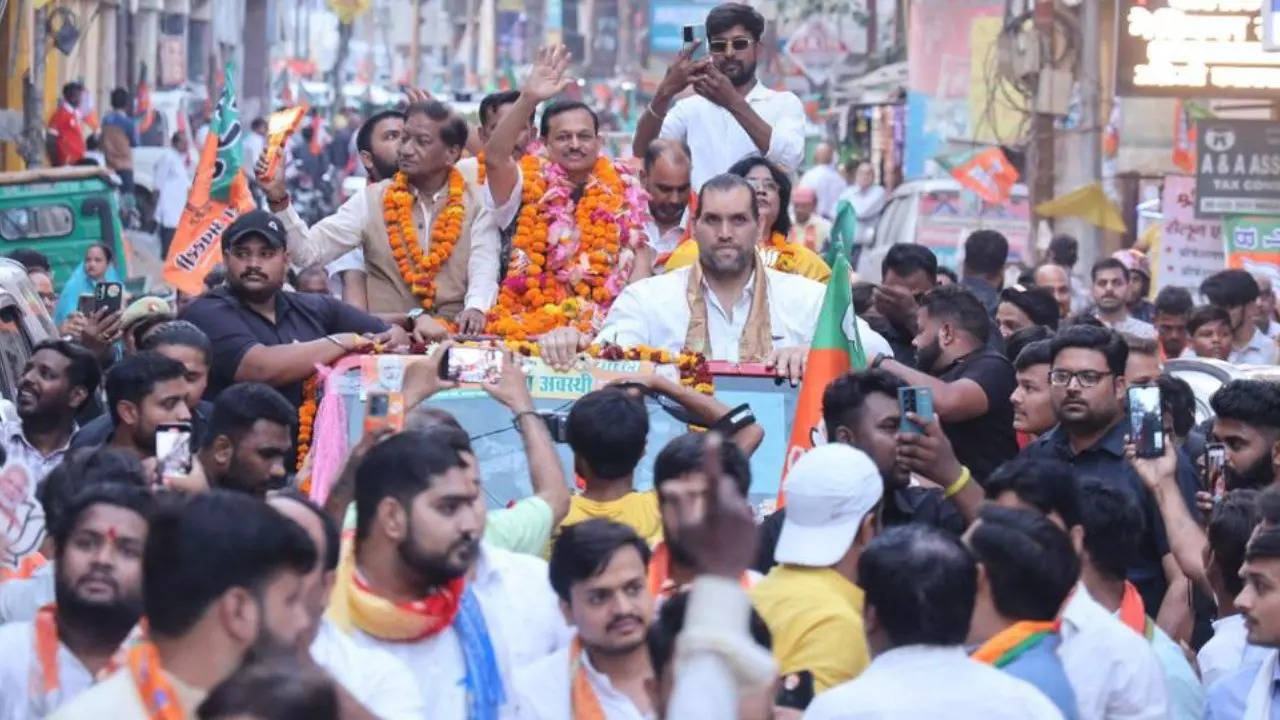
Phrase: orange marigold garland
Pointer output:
(569, 259)
(786, 259)
(481, 173)
(307, 417)
(419, 269)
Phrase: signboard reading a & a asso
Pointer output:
(1237, 167)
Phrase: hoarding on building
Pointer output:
(1237, 167)
(1194, 48)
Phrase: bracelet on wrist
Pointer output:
(958, 485)
(515, 419)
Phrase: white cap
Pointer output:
(829, 491)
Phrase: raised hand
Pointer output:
(549, 75)
(681, 72)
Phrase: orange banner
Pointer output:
(197, 245)
(280, 125)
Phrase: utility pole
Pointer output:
(415, 39)
(32, 146)
(1041, 148)
(1090, 121)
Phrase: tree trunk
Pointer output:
(344, 46)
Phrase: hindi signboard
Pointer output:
(1237, 167)
(1190, 249)
(1194, 48)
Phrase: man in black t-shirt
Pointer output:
(263, 333)
(971, 383)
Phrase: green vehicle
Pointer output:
(59, 212)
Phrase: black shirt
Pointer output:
(233, 329)
(987, 293)
(1105, 462)
(98, 431)
(983, 442)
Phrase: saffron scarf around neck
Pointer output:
(354, 605)
(1133, 612)
(1005, 646)
(583, 703)
(756, 341)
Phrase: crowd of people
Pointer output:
(1009, 550)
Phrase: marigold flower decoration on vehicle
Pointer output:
(419, 269)
(694, 371)
(307, 418)
(569, 260)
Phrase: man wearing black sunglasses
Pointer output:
(731, 115)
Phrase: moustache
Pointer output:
(98, 577)
(622, 619)
(251, 274)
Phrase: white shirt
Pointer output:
(1133, 326)
(524, 620)
(866, 203)
(343, 232)
(17, 663)
(20, 598)
(665, 242)
(353, 260)
(1261, 350)
(715, 657)
(253, 144)
(827, 184)
(1228, 650)
(542, 690)
(378, 680)
(21, 515)
(654, 312)
(717, 141)
(173, 180)
(926, 681)
(1113, 670)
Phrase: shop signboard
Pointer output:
(1253, 244)
(1190, 248)
(1237, 167)
(1194, 48)
(817, 49)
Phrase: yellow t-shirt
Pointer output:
(815, 617)
(808, 263)
(637, 510)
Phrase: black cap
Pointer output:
(255, 222)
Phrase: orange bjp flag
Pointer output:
(197, 241)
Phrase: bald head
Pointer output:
(667, 179)
(823, 154)
(803, 202)
(1055, 279)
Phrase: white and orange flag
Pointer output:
(219, 193)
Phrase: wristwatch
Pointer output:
(412, 316)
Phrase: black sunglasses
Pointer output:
(719, 46)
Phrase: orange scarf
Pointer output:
(157, 693)
(757, 340)
(354, 604)
(1133, 613)
(1003, 647)
(46, 679)
(661, 586)
(583, 702)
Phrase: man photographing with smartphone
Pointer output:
(731, 115)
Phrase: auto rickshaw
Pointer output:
(60, 212)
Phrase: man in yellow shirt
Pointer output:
(809, 600)
(607, 432)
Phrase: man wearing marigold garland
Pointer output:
(580, 217)
(728, 305)
(430, 245)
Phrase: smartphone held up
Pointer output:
(916, 400)
(1146, 421)
(173, 449)
(471, 364)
